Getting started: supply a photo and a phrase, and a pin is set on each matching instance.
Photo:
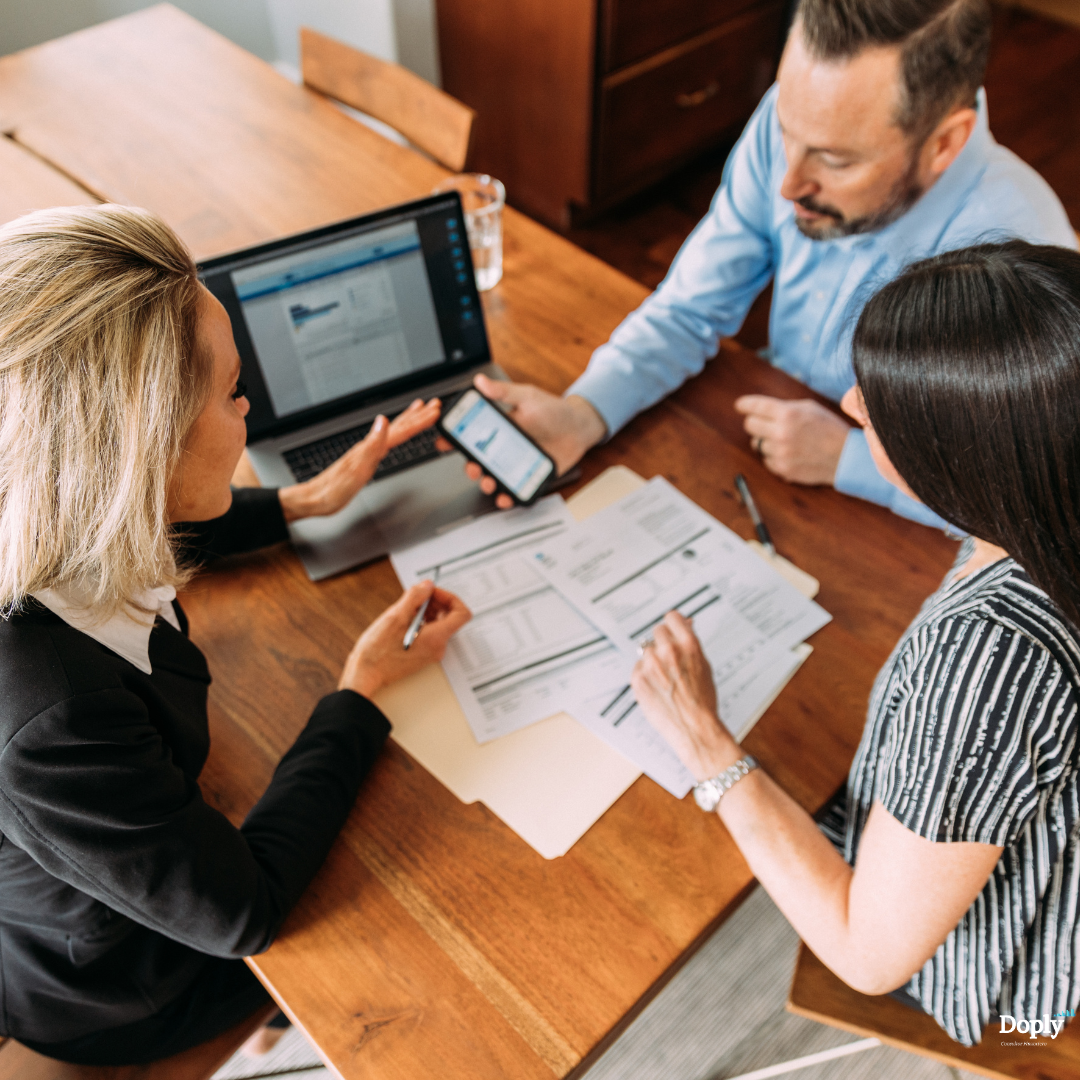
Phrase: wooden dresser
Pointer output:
(583, 102)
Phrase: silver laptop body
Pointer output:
(338, 325)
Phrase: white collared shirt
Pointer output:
(127, 633)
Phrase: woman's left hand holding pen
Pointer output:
(378, 658)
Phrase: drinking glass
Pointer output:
(482, 198)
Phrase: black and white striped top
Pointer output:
(971, 736)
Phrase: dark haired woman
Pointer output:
(957, 887)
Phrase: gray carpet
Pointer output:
(292, 1059)
(721, 1016)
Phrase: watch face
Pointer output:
(706, 795)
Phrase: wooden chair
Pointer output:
(430, 119)
(199, 1063)
(818, 994)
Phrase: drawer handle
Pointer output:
(698, 97)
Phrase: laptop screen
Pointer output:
(344, 316)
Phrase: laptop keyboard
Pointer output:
(308, 460)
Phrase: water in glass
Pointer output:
(482, 198)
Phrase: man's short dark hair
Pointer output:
(943, 48)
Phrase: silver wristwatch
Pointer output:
(708, 793)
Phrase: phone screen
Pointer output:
(497, 445)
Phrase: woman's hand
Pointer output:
(674, 686)
(379, 658)
(335, 486)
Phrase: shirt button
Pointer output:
(819, 296)
(806, 337)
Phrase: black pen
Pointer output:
(759, 526)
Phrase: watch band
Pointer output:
(708, 793)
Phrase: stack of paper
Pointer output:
(560, 608)
(527, 652)
(655, 551)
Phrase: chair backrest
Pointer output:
(818, 994)
(437, 123)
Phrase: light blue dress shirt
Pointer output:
(749, 236)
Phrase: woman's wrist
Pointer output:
(363, 680)
(714, 748)
(294, 502)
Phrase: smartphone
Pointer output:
(486, 435)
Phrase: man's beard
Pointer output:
(905, 193)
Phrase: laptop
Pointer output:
(337, 325)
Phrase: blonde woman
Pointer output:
(126, 903)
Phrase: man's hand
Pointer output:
(335, 486)
(800, 441)
(565, 427)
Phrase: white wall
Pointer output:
(402, 30)
(368, 24)
(417, 38)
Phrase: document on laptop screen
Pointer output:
(336, 319)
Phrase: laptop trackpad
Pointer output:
(389, 514)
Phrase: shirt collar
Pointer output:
(127, 633)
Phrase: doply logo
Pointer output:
(1034, 1028)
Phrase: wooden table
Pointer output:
(28, 183)
(435, 942)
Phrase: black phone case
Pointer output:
(542, 490)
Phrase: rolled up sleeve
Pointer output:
(720, 270)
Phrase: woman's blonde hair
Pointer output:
(101, 380)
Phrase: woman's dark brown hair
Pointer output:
(969, 365)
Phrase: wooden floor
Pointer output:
(1033, 90)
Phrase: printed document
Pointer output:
(655, 551)
(526, 652)
(529, 652)
(613, 715)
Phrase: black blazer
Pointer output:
(116, 879)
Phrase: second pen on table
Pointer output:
(760, 527)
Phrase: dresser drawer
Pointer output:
(635, 29)
(676, 103)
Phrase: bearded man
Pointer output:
(872, 150)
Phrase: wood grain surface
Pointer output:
(632, 29)
(434, 941)
(28, 183)
(528, 67)
(668, 107)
